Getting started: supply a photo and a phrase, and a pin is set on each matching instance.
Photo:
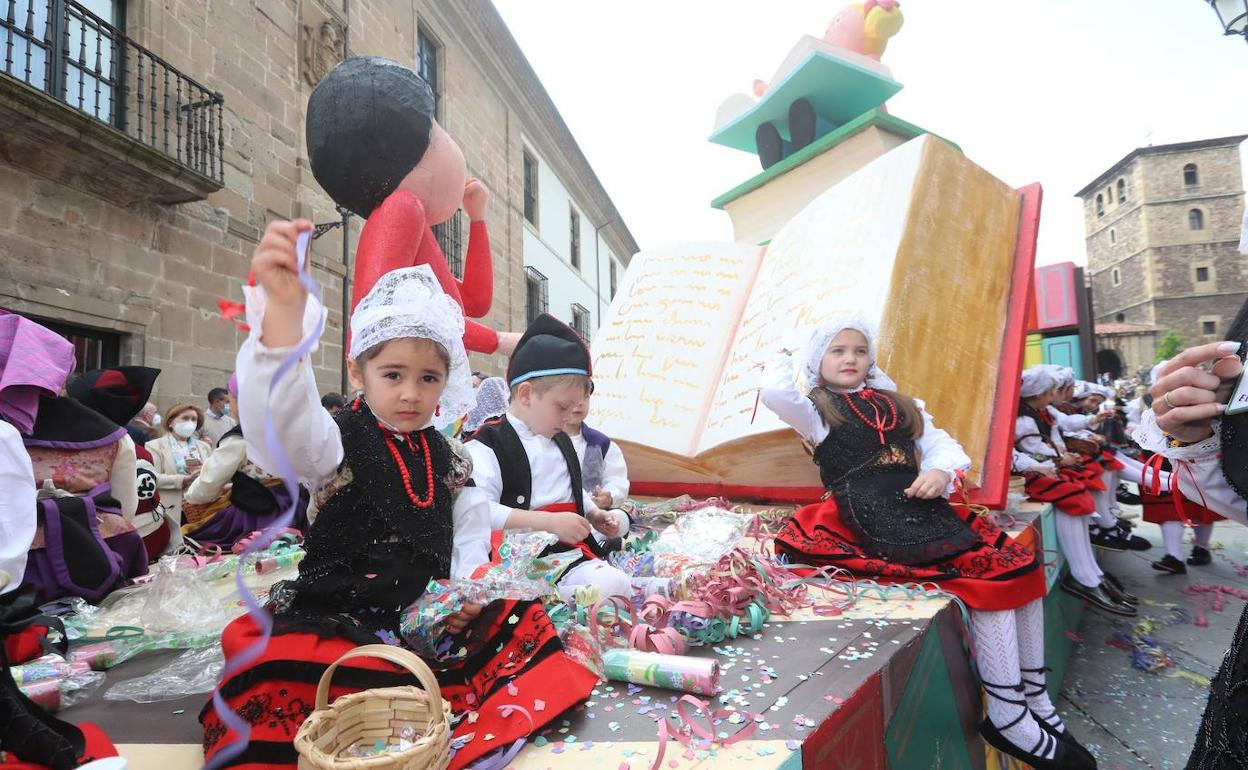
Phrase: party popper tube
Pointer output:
(673, 672)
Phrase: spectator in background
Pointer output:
(217, 420)
(147, 422)
(333, 403)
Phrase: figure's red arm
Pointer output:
(477, 288)
(479, 338)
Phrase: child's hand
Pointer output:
(571, 528)
(928, 485)
(1069, 460)
(602, 499)
(275, 264)
(605, 522)
(460, 620)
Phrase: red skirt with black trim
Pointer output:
(1001, 574)
(1066, 492)
(524, 661)
(1109, 461)
(1159, 509)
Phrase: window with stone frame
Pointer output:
(1209, 325)
(429, 65)
(1191, 176)
(580, 321)
(1113, 236)
(1122, 191)
(530, 188)
(93, 348)
(1202, 274)
(574, 238)
(536, 295)
(1195, 220)
(1100, 205)
(1115, 277)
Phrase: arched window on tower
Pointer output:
(1100, 205)
(1191, 177)
(1195, 220)
(1122, 191)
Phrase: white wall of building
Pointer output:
(548, 248)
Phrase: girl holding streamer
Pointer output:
(394, 513)
(888, 470)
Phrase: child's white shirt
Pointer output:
(309, 436)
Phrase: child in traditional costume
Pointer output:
(34, 363)
(1056, 476)
(395, 514)
(528, 466)
(1073, 431)
(232, 496)
(888, 470)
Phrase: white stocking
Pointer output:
(1104, 517)
(1030, 621)
(1172, 538)
(1204, 533)
(996, 650)
(1072, 536)
(1112, 480)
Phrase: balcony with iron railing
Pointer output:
(83, 103)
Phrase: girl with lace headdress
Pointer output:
(492, 398)
(394, 512)
(888, 470)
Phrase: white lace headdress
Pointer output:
(822, 336)
(492, 399)
(407, 303)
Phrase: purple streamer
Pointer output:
(499, 759)
(286, 471)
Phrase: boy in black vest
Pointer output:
(528, 466)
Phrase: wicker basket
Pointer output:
(374, 715)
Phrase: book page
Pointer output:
(662, 347)
(835, 257)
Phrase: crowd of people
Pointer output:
(415, 476)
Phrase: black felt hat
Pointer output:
(368, 125)
(119, 393)
(549, 347)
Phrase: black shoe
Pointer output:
(1076, 748)
(1107, 539)
(1126, 496)
(1097, 597)
(1117, 585)
(1125, 526)
(1170, 564)
(1064, 757)
(1200, 556)
(1134, 542)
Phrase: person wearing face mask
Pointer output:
(178, 457)
(218, 421)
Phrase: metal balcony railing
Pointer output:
(74, 56)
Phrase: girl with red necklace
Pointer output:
(394, 511)
(888, 471)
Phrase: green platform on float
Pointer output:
(839, 90)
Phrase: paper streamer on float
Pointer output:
(673, 672)
(286, 472)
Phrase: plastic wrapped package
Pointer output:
(520, 576)
(50, 666)
(581, 646)
(192, 672)
(701, 536)
(56, 694)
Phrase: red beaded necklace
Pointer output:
(878, 402)
(402, 466)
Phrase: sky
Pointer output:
(1054, 91)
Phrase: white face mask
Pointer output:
(184, 429)
(156, 421)
(225, 410)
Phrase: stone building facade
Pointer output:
(1162, 231)
(136, 178)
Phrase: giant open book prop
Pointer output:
(932, 247)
